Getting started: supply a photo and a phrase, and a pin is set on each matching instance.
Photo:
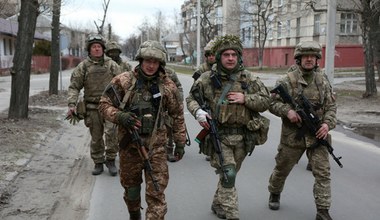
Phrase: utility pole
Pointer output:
(330, 40)
(198, 32)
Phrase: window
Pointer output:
(10, 47)
(270, 31)
(348, 23)
(298, 27)
(317, 24)
(243, 34)
(288, 28)
(279, 30)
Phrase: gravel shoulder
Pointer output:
(45, 162)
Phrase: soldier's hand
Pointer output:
(72, 115)
(294, 117)
(128, 120)
(201, 117)
(179, 151)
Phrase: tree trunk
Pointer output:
(55, 49)
(22, 59)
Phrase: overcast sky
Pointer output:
(124, 15)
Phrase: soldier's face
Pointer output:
(150, 66)
(210, 58)
(229, 59)
(96, 50)
(308, 62)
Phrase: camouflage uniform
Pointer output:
(170, 146)
(112, 46)
(315, 87)
(93, 75)
(138, 86)
(231, 122)
(206, 66)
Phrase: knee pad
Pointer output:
(134, 193)
(230, 172)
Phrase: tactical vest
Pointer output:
(97, 77)
(231, 115)
(314, 91)
(145, 102)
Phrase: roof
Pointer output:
(10, 28)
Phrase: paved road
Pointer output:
(192, 181)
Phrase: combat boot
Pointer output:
(323, 214)
(218, 211)
(170, 155)
(274, 201)
(110, 164)
(98, 169)
(135, 215)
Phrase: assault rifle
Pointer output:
(310, 120)
(112, 94)
(213, 132)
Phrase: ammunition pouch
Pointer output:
(206, 147)
(259, 126)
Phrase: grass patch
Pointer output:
(182, 69)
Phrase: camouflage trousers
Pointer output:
(287, 157)
(234, 153)
(99, 127)
(131, 178)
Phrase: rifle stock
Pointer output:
(112, 94)
(310, 120)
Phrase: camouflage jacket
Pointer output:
(204, 67)
(125, 66)
(318, 91)
(170, 104)
(256, 98)
(173, 76)
(83, 77)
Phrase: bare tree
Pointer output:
(258, 12)
(55, 48)
(100, 27)
(19, 100)
(131, 46)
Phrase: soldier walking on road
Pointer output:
(93, 75)
(113, 50)
(147, 96)
(306, 80)
(235, 98)
(209, 61)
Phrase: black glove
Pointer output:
(127, 119)
(179, 151)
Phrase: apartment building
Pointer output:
(287, 22)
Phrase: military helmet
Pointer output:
(151, 49)
(227, 42)
(95, 38)
(308, 48)
(112, 45)
(208, 46)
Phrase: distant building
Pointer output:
(288, 23)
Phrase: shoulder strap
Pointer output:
(128, 93)
(224, 93)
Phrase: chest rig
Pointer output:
(229, 114)
(145, 103)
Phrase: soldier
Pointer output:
(113, 50)
(206, 66)
(93, 75)
(308, 80)
(209, 61)
(235, 98)
(147, 95)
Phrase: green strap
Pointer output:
(224, 93)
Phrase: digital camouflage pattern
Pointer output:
(232, 122)
(93, 76)
(131, 164)
(318, 90)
